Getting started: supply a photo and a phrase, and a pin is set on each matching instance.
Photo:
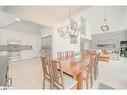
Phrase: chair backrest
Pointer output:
(72, 54)
(96, 59)
(91, 62)
(58, 56)
(57, 74)
(65, 55)
(46, 66)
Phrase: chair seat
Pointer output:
(69, 82)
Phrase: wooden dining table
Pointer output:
(74, 68)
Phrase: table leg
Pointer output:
(79, 78)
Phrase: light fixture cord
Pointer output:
(105, 13)
(69, 13)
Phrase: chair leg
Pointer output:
(91, 81)
(44, 83)
(86, 83)
(95, 74)
(51, 85)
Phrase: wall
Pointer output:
(115, 18)
(61, 44)
(25, 39)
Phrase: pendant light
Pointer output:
(71, 30)
(104, 26)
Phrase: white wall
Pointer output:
(61, 44)
(115, 18)
(25, 39)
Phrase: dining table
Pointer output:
(74, 68)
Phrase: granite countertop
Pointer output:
(3, 69)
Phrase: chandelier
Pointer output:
(104, 26)
(72, 30)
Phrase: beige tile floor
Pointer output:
(27, 74)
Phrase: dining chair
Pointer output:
(72, 54)
(88, 74)
(60, 80)
(47, 71)
(95, 66)
(66, 55)
(58, 56)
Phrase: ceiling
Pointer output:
(34, 18)
(61, 12)
(45, 15)
(7, 21)
(25, 26)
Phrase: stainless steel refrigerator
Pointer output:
(46, 45)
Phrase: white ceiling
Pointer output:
(34, 18)
(25, 26)
(61, 12)
(44, 15)
(7, 21)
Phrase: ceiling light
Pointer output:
(71, 30)
(105, 26)
(17, 19)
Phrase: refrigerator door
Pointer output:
(46, 45)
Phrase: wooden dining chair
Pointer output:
(88, 74)
(95, 66)
(72, 54)
(66, 55)
(60, 80)
(58, 56)
(47, 71)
